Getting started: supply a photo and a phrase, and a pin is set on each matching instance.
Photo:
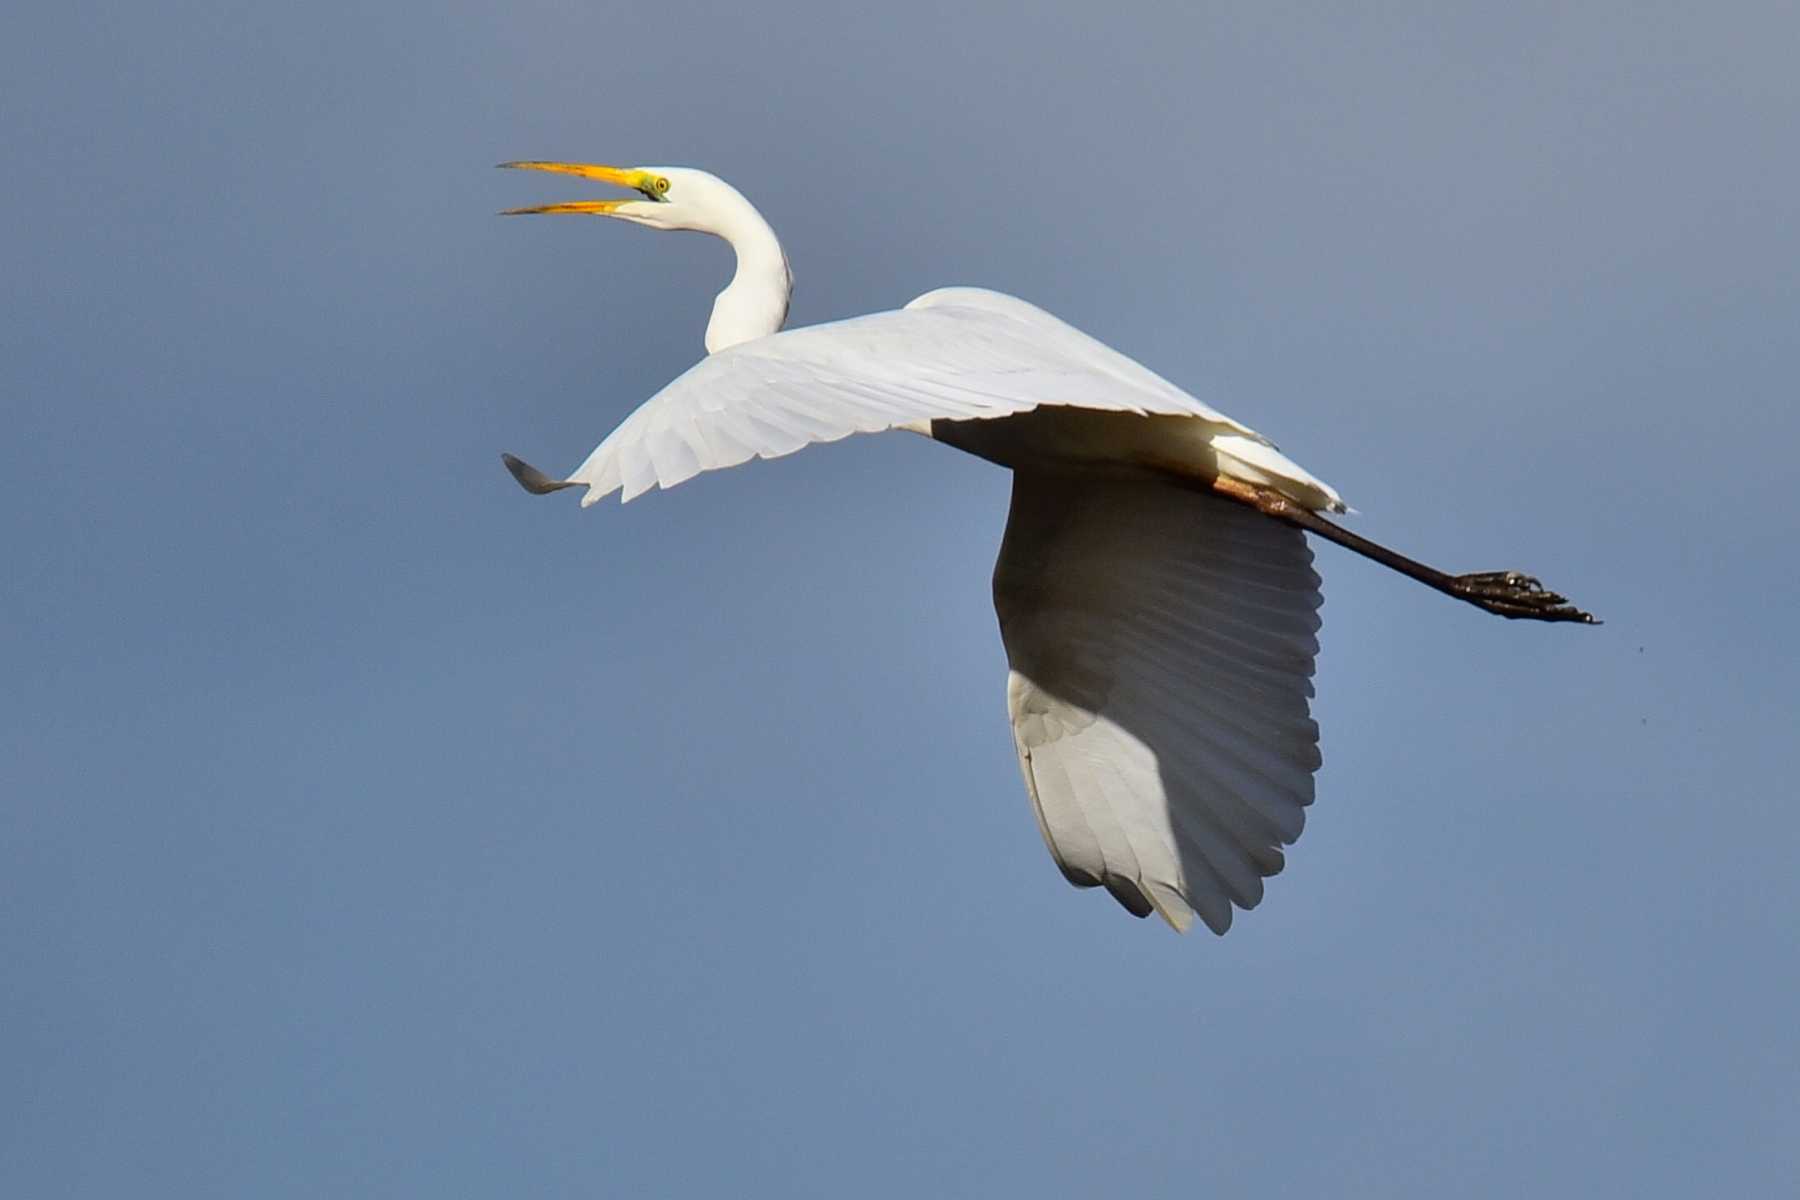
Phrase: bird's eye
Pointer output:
(662, 185)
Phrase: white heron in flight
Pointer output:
(1155, 591)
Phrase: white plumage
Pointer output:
(956, 354)
(1160, 635)
(1161, 644)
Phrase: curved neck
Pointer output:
(755, 302)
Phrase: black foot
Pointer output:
(1519, 596)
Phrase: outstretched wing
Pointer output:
(954, 354)
(1161, 643)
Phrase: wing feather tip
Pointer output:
(532, 479)
(1129, 895)
(1171, 906)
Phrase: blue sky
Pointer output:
(372, 828)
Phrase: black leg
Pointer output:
(1505, 592)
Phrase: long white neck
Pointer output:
(755, 302)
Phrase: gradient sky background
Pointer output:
(371, 828)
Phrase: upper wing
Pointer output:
(1161, 643)
(956, 353)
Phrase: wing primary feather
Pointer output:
(532, 479)
(1127, 893)
(1174, 633)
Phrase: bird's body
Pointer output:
(1160, 628)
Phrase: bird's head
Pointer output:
(756, 302)
(667, 197)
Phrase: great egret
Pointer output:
(1155, 593)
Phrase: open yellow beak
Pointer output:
(642, 182)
